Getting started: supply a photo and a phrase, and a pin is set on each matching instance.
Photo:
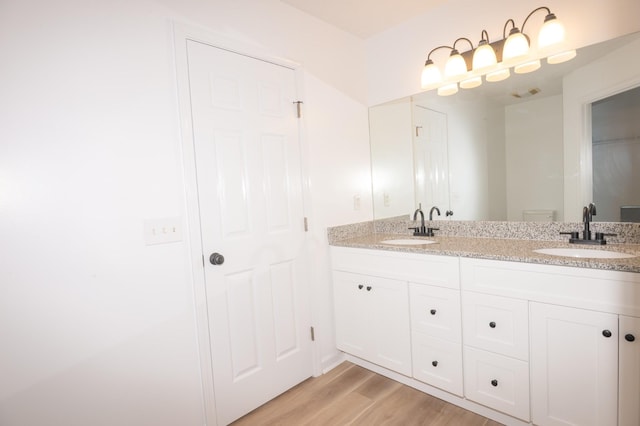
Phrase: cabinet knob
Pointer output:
(434, 363)
(492, 324)
(629, 337)
(433, 312)
(360, 286)
(368, 288)
(606, 333)
(494, 383)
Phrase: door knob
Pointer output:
(216, 259)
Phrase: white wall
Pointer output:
(534, 157)
(96, 327)
(395, 57)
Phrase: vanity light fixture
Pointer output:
(493, 60)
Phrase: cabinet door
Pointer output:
(574, 366)
(372, 319)
(351, 313)
(389, 327)
(629, 371)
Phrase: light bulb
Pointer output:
(484, 57)
(431, 75)
(552, 32)
(515, 47)
(455, 66)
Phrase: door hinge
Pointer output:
(298, 108)
(313, 335)
(306, 225)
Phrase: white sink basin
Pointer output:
(408, 242)
(584, 253)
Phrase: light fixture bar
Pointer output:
(492, 60)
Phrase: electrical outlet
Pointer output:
(356, 202)
(387, 200)
(161, 231)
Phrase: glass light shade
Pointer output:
(448, 89)
(561, 57)
(528, 66)
(472, 82)
(484, 57)
(515, 47)
(499, 75)
(431, 75)
(552, 32)
(455, 66)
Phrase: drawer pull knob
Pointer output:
(629, 337)
(494, 383)
(492, 324)
(433, 311)
(434, 363)
(360, 286)
(606, 333)
(368, 288)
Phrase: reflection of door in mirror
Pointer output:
(430, 158)
(616, 157)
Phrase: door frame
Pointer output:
(182, 33)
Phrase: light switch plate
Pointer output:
(161, 231)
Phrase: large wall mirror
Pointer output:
(517, 150)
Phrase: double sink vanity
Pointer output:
(518, 329)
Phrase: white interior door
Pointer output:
(250, 193)
(431, 158)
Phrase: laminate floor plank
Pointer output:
(352, 395)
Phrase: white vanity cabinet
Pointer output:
(400, 311)
(372, 319)
(583, 371)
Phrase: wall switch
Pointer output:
(161, 231)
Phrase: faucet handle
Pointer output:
(449, 213)
(574, 234)
(600, 235)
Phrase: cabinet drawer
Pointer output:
(437, 362)
(435, 311)
(497, 381)
(442, 271)
(496, 324)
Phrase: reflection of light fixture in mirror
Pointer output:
(448, 89)
(493, 60)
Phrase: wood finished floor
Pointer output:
(352, 395)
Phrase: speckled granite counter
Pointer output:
(499, 249)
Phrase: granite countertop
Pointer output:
(501, 249)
